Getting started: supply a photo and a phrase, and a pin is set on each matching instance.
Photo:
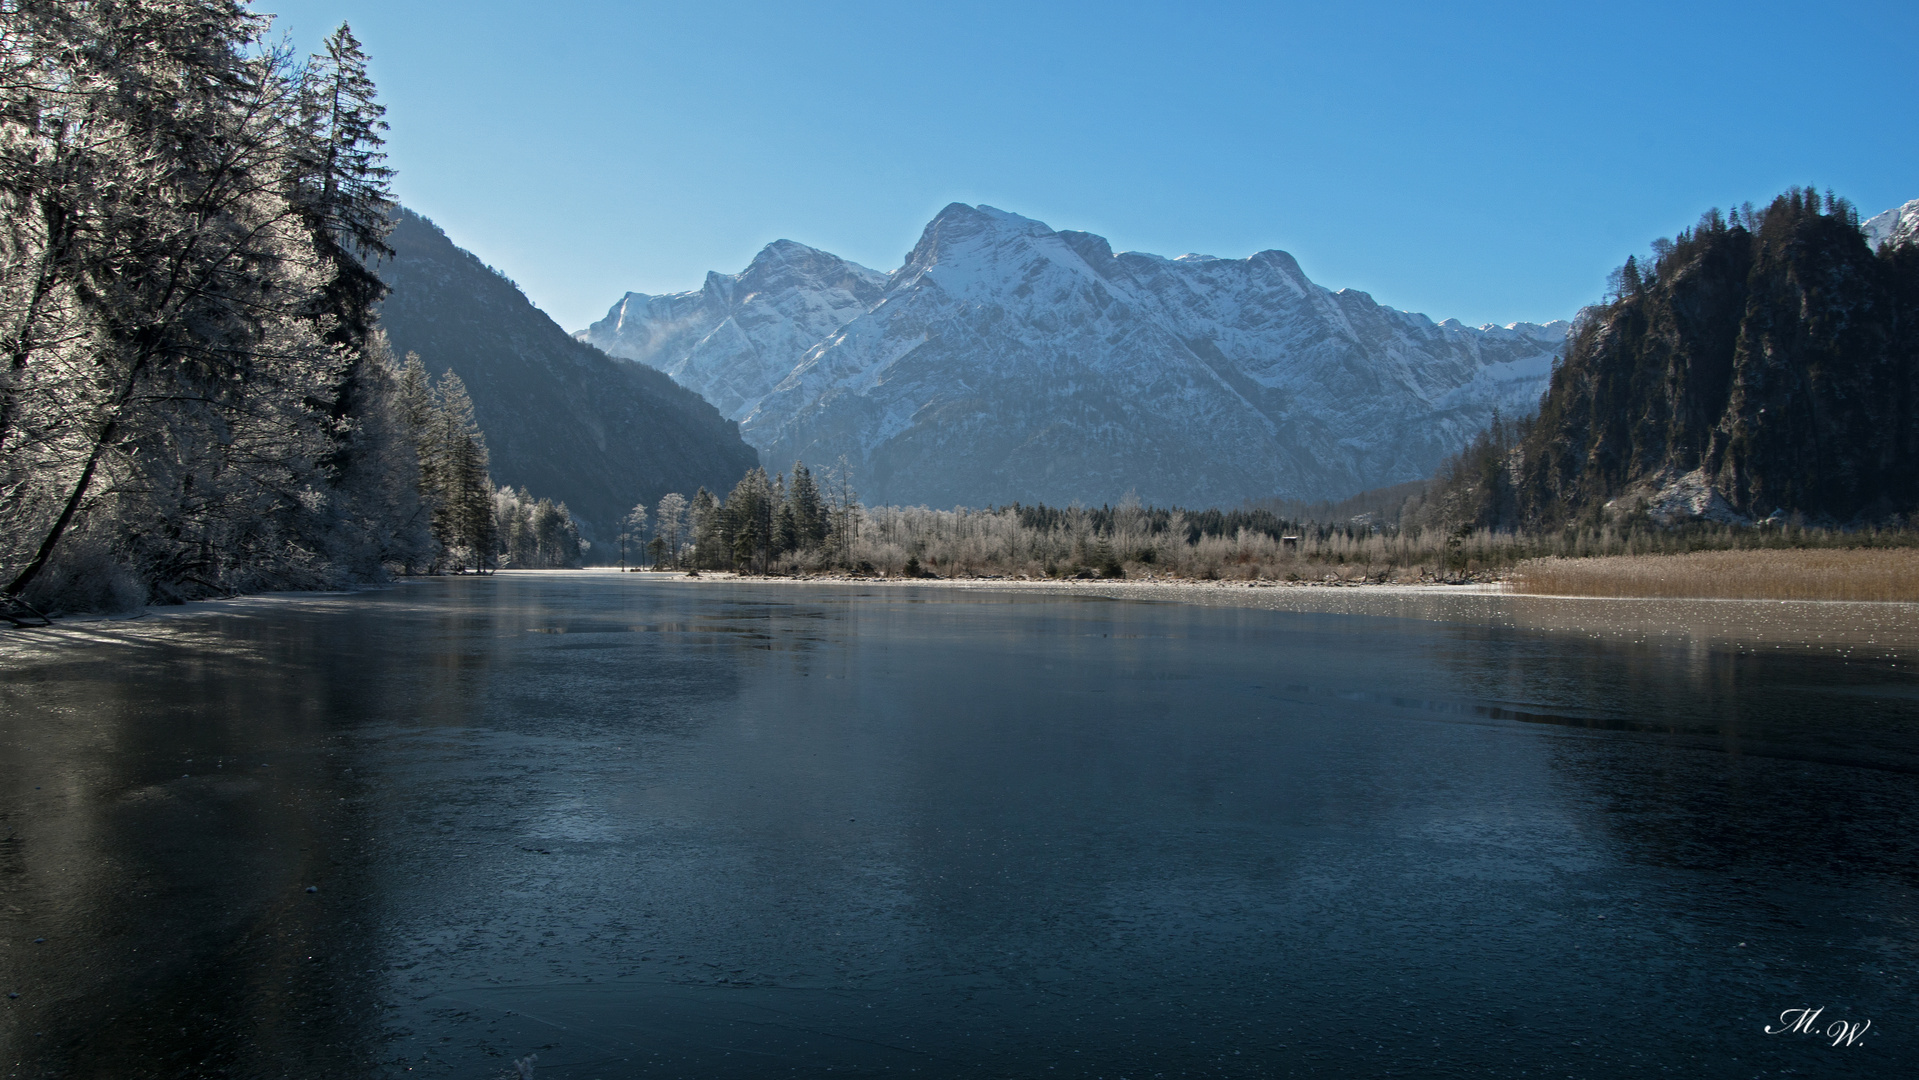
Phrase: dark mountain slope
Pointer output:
(561, 418)
(1763, 363)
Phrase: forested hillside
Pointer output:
(1763, 362)
(561, 417)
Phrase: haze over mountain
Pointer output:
(562, 419)
(1008, 361)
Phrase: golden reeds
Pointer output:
(1752, 574)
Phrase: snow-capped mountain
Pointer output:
(1900, 224)
(735, 337)
(1009, 361)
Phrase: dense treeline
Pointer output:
(765, 522)
(758, 529)
(1188, 526)
(793, 522)
(798, 524)
(1763, 364)
(195, 397)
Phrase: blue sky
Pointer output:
(1487, 162)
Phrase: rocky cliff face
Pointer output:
(1007, 361)
(562, 419)
(1759, 365)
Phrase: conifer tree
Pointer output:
(749, 512)
(809, 512)
(340, 177)
(535, 534)
(786, 530)
(463, 495)
(417, 413)
(339, 184)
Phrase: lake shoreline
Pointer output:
(1854, 628)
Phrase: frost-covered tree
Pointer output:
(162, 416)
(632, 527)
(338, 181)
(535, 534)
(337, 169)
(712, 544)
(669, 523)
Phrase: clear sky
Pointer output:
(1487, 162)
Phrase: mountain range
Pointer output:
(1009, 361)
(562, 419)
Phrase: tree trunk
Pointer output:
(100, 443)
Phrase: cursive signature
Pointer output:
(1806, 1022)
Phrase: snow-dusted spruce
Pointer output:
(1007, 361)
(535, 534)
(195, 396)
(183, 312)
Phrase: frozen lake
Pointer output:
(651, 827)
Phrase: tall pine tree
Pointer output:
(462, 490)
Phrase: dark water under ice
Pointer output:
(665, 828)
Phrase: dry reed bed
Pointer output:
(1752, 574)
